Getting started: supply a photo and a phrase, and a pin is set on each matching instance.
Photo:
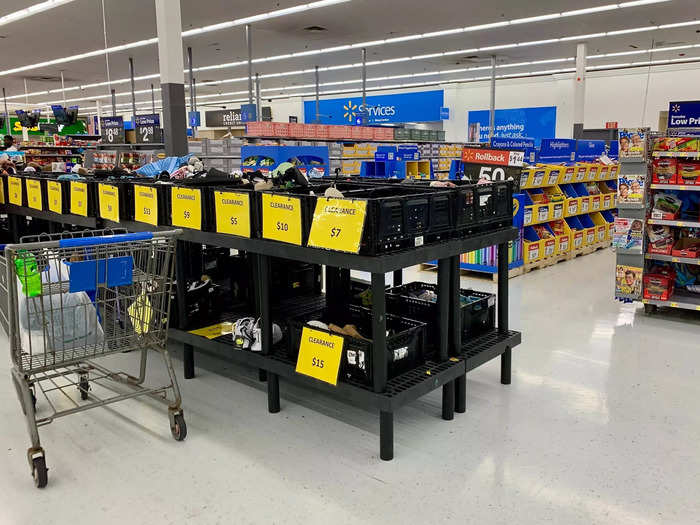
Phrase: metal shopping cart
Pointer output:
(66, 299)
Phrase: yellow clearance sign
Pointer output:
(55, 197)
(338, 224)
(232, 213)
(145, 204)
(319, 355)
(281, 218)
(109, 202)
(34, 199)
(78, 198)
(14, 186)
(186, 207)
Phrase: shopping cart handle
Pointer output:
(108, 239)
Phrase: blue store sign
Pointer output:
(684, 114)
(536, 123)
(423, 106)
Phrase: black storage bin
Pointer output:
(232, 187)
(85, 189)
(162, 199)
(478, 315)
(404, 349)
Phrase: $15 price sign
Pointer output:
(319, 355)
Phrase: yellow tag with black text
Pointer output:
(232, 213)
(34, 199)
(145, 204)
(78, 198)
(338, 224)
(55, 196)
(319, 355)
(186, 207)
(14, 186)
(109, 202)
(281, 218)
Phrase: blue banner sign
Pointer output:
(249, 113)
(444, 113)
(537, 123)
(684, 114)
(557, 150)
(588, 150)
(422, 106)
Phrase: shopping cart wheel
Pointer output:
(84, 386)
(178, 427)
(39, 472)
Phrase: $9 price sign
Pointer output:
(338, 224)
(319, 355)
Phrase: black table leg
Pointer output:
(503, 309)
(273, 393)
(181, 298)
(386, 435)
(188, 361)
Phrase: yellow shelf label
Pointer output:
(34, 199)
(55, 197)
(78, 198)
(281, 218)
(186, 207)
(319, 355)
(674, 259)
(109, 202)
(674, 305)
(338, 224)
(232, 213)
(14, 186)
(145, 204)
(679, 223)
(214, 331)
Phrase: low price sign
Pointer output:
(112, 130)
(492, 164)
(147, 128)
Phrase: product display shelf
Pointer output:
(676, 154)
(673, 222)
(671, 258)
(386, 394)
(155, 145)
(680, 187)
(15, 212)
(680, 299)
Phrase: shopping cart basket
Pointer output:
(72, 298)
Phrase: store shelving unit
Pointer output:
(386, 395)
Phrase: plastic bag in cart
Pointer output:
(59, 321)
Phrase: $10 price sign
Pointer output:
(338, 224)
(319, 355)
(282, 218)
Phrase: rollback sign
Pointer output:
(492, 164)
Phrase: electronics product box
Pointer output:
(658, 286)
(686, 247)
(664, 171)
(687, 173)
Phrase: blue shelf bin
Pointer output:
(313, 161)
(456, 167)
(263, 158)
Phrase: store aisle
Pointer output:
(599, 426)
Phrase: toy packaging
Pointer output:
(667, 206)
(686, 247)
(627, 234)
(630, 188)
(664, 171)
(688, 173)
(659, 282)
(660, 239)
(632, 141)
(628, 280)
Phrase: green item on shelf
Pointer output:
(28, 273)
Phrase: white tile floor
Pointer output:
(600, 425)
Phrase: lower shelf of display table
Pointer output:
(399, 390)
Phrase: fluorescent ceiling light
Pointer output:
(324, 3)
(190, 32)
(32, 10)
(590, 10)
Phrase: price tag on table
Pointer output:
(14, 186)
(232, 213)
(34, 199)
(55, 196)
(109, 202)
(319, 355)
(186, 207)
(338, 224)
(78, 198)
(146, 204)
(281, 218)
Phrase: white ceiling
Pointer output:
(77, 28)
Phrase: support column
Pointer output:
(258, 110)
(133, 89)
(172, 76)
(492, 100)
(364, 87)
(98, 103)
(502, 308)
(192, 104)
(114, 102)
(580, 88)
(7, 114)
(249, 43)
(318, 95)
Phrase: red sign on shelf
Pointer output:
(492, 157)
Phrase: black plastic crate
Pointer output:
(226, 191)
(82, 189)
(494, 203)
(478, 315)
(404, 344)
(162, 192)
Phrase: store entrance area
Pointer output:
(598, 426)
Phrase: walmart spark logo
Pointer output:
(350, 109)
(675, 108)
